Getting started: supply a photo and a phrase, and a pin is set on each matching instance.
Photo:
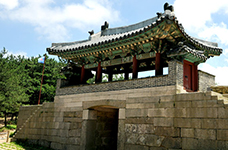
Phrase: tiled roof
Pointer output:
(115, 34)
(184, 49)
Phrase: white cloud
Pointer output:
(225, 52)
(215, 32)
(53, 21)
(221, 73)
(9, 4)
(16, 54)
(196, 17)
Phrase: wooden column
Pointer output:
(82, 75)
(135, 68)
(158, 64)
(98, 74)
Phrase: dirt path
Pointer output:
(3, 136)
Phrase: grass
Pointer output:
(8, 127)
(21, 146)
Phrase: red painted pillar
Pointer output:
(195, 77)
(135, 68)
(158, 65)
(82, 75)
(98, 73)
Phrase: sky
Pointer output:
(28, 27)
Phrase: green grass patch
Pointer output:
(8, 127)
(23, 145)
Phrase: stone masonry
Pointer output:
(148, 119)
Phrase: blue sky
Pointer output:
(28, 27)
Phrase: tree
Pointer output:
(12, 88)
(34, 73)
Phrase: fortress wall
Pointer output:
(206, 80)
(148, 118)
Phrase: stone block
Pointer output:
(222, 135)
(74, 133)
(183, 104)
(136, 147)
(165, 105)
(222, 112)
(135, 105)
(180, 112)
(167, 98)
(189, 143)
(109, 102)
(122, 114)
(139, 128)
(71, 147)
(222, 123)
(190, 96)
(76, 125)
(205, 134)
(205, 103)
(174, 143)
(187, 122)
(63, 133)
(74, 141)
(207, 144)
(44, 143)
(222, 145)
(70, 120)
(131, 138)
(139, 120)
(187, 132)
(209, 123)
(161, 112)
(163, 122)
(167, 131)
(136, 112)
(151, 140)
(56, 146)
(202, 112)
(153, 99)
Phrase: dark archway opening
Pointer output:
(105, 128)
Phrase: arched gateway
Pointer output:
(165, 111)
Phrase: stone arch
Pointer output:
(102, 124)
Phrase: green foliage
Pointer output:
(20, 80)
(22, 145)
(8, 127)
(12, 88)
(33, 80)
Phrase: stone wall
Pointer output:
(148, 118)
(206, 80)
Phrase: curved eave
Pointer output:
(189, 54)
(210, 50)
(116, 39)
